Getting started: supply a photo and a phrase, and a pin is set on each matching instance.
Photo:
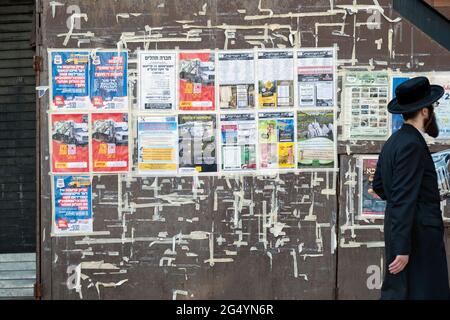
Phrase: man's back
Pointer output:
(406, 179)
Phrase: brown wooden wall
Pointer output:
(317, 252)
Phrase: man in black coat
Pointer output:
(416, 264)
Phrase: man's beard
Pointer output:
(431, 127)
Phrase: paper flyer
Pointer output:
(371, 205)
(276, 140)
(315, 72)
(196, 84)
(238, 141)
(366, 99)
(109, 80)
(69, 80)
(73, 205)
(70, 143)
(443, 110)
(441, 163)
(110, 142)
(157, 144)
(236, 77)
(275, 79)
(197, 143)
(157, 81)
(315, 136)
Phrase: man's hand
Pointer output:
(398, 264)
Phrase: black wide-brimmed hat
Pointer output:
(414, 94)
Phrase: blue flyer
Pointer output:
(109, 80)
(397, 119)
(70, 79)
(73, 204)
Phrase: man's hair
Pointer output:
(412, 115)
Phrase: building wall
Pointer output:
(137, 252)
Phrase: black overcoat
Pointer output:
(406, 178)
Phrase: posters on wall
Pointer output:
(196, 84)
(70, 79)
(157, 81)
(315, 72)
(109, 142)
(109, 84)
(73, 205)
(371, 205)
(443, 110)
(276, 140)
(236, 77)
(397, 119)
(366, 96)
(197, 143)
(238, 144)
(315, 139)
(69, 143)
(157, 145)
(275, 79)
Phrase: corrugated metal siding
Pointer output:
(17, 275)
(17, 131)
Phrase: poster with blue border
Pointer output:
(70, 79)
(109, 85)
(397, 119)
(73, 205)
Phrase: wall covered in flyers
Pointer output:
(109, 142)
(72, 205)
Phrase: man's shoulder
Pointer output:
(403, 139)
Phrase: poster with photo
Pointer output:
(157, 81)
(109, 142)
(238, 141)
(69, 79)
(443, 110)
(72, 205)
(275, 79)
(196, 71)
(236, 77)
(371, 205)
(197, 143)
(366, 99)
(315, 73)
(157, 145)
(315, 139)
(109, 80)
(276, 140)
(69, 143)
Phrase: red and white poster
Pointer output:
(70, 143)
(109, 142)
(197, 76)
